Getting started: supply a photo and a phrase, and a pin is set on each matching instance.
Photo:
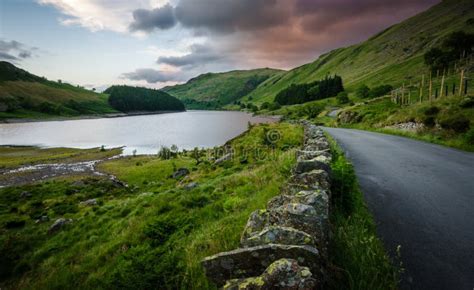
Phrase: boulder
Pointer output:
(251, 262)
(282, 274)
(89, 202)
(42, 219)
(58, 224)
(278, 235)
(191, 185)
(25, 194)
(182, 172)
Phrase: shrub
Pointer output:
(457, 123)
(362, 92)
(428, 121)
(274, 106)
(265, 106)
(15, 223)
(380, 91)
(467, 103)
(430, 111)
(469, 137)
(342, 98)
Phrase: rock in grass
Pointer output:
(182, 172)
(191, 185)
(58, 224)
(25, 194)
(251, 262)
(282, 274)
(89, 202)
(279, 235)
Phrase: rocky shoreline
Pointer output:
(285, 245)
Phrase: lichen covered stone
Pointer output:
(278, 235)
(251, 262)
(282, 274)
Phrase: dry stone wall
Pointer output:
(285, 245)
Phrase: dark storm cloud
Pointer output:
(148, 20)
(200, 54)
(232, 15)
(6, 56)
(152, 76)
(282, 33)
(215, 15)
(14, 50)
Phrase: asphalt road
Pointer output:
(422, 198)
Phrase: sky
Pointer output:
(155, 43)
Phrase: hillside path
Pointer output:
(422, 198)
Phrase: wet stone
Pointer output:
(251, 262)
(282, 274)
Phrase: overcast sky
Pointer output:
(154, 43)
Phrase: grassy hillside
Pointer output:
(24, 95)
(393, 56)
(150, 235)
(214, 90)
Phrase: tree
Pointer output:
(342, 98)
(362, 92)
(380, 91)
(196, 155)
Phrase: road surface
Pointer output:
(422, 198)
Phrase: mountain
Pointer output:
(392, 56)
(214, 90)
(135, 99)
(25, 95)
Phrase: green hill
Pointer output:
(393, 56)
(135, 99)
(24, 95)
(214, 90)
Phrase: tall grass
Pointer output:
(358, 258)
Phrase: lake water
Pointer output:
(146, 134)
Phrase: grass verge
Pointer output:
(358, 258)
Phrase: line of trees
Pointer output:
(130, 99)
(302, 93)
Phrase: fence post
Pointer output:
(461, 82)
(431, 89)
(421, 88)
(442, 85)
